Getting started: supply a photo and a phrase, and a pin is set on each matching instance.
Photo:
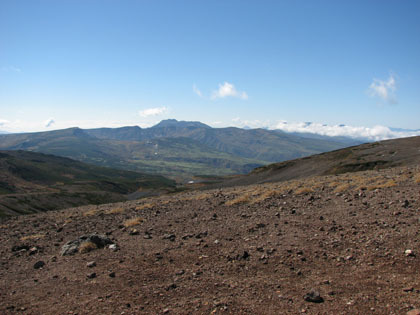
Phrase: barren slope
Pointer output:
(244, 250)
(368, 156)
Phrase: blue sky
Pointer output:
(255, 63)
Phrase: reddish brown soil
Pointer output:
(347, 242)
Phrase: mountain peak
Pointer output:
(180, 124)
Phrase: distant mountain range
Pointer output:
(180, 149)
(35, 182)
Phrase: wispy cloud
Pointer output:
(11, 69)
(228, 89)
(197, 91)
(153, 111)
(385, 90)
(49, 122)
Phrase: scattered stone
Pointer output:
(409, 253)
(72, 247)
(171, 287)
(313, 296)
(112, 274)
(244, 256)
(91, 275)
(170, 237)
(134, 232)
(113, 247)
(180, 273)
(91, 264)
(18, 248)
(408, 289)
(201, 234)
(39, 264)
(33, 250)
(414, 312)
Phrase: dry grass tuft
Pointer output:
(133, 222)
(201, 196)
(91, 212)
(303, 190)
(245, 198)
(145, 206)
(86, 247)
(32, 237)
(266, 195)
(115, 211)
(342, 187)
(379, 184)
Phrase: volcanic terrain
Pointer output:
(258, 249)
(318, 244)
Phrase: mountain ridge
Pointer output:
(132, 147)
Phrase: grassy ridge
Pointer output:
(32, 181)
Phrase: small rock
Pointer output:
(170, 237)
(91, 264)
(244, 256)
(409, 253)
(171, 287)
(134, 232)
(39, 264)
(180, 272)
(313, 296)
(113, 247)
(33, 250)
(408, 289)
(112, 274)
(414, 312)
(91, 275)
(19, 248)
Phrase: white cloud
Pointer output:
(49, 122)
(385, 90)
(227, 89)
(153, 111)
(197, 91)
(375, 133)
(3, 122)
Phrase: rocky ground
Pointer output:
(346, 244)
